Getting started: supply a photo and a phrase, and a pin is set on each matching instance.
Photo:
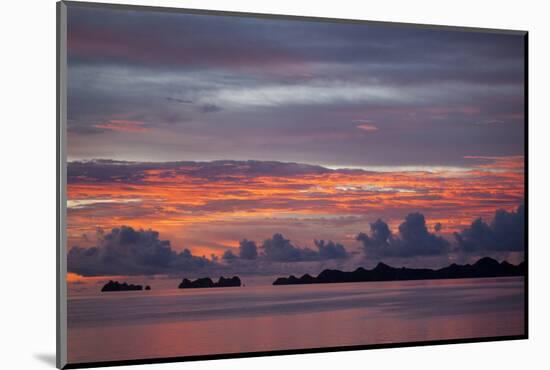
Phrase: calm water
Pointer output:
(149, 324)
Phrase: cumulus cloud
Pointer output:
(505, 233)
(417, 240)
(413, 239)
(248, 249)
(279, 249)
(330, 250)
(380, 235)
(126, 251)
(229, 256)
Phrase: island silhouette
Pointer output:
(115, 286)
(208, 283)
(483, 268)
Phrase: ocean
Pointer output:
(178, 322)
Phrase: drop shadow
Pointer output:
(46, 358)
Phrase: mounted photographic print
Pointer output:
(234, 184)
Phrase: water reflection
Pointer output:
(228, 320)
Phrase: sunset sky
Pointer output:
(207, 130)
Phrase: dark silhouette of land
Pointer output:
(208, 283)
(485, 267)
(115, 286)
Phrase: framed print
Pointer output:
(235, 184)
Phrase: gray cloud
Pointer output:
(229, 256)
(330, 250)
(126, 251)
(279, 249)
(417, 240)
(304, 81)
(248, 250)
(181, 101)
(210, 108)
(413, 239)
(505, 233)
(135, 172)
(132, 38)
(380, 236)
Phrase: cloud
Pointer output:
(108, 171)
(413, 239)
(417, 240)
(330, 250)
(126, 251)
(300, 200)
(210, 108)
(248, 250)
(178, 100)
(505, 233)
(127, 38)
(494, 163)
(338, 92)
(367, 127)
(122, 126)
(229, 256)
(279, 249)
(380, 236)
(275, 71)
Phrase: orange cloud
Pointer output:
(509, 163)
(72, 277)
(367, 127)
(206, 213)
(123, 126)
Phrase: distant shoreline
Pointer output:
(115, 286)
(484, 268)
(201, 283)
